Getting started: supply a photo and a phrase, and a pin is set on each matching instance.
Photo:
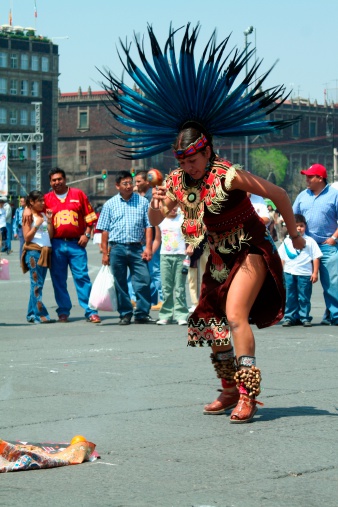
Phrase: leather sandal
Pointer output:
(245, 410)
(227, 399)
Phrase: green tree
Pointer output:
(269, 164)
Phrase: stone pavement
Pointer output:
(138, 393)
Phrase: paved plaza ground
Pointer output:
(138, 393)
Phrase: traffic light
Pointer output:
(103, 174)
(132, 172)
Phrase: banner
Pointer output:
(3, 169)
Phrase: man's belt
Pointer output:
(68, 239)
(112, 243)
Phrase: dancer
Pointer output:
(183, 106)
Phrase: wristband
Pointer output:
(334, 237)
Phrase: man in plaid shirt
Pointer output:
(125, 229)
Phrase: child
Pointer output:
(172, 254)
(300, 272)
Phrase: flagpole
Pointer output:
(35, 15)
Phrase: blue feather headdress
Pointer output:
(175, 91)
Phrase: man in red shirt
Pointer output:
(73, 217)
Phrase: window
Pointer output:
(3, 59)
(23, 117)
(99, 185)
(295, 130)
(14, 61)
(13, 117)
(313, 128)
(3, 116)
(83, 120)
(3, 85)
(35, 63)
(24, 62)
(13, 87)
(33, 118)
(24, 87)
(44, 64)
(13, 151)
(35, 88)
(83, 157)
(33, 153)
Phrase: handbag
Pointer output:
(103, 294)
(4, 269)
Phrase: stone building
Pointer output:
(29, 69)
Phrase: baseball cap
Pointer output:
(315, 170)
(3, 198)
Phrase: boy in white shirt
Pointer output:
(172, 254)
(300, 272)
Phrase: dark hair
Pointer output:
(142, 173)
(300, 219)
(56, 170)
(121, 175)
(34, 195)
(189, 135)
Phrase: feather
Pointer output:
(171, 91)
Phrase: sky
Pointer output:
(301, 34)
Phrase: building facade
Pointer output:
(85, 151)
(29, 70)
(86, 127)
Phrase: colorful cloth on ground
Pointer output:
(19, 456)
(233, 230)
(72, 214)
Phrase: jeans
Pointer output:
(328, 271)
(3, 232)
(173, 286)
(36, 309)
(21, 241)
(123, 257)
(9, 235)
(155, 280)
(64, 254)
(298, 296)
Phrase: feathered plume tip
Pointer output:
(174, 91)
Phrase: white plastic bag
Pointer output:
(103, 295)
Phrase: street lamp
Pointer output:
(246, 32)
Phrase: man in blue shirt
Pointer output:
(125, 228)
(319, 205)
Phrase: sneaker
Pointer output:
(182, 322)
(63, 318)
(287, 323)
(192, 308)
(157, 307)
(162, 322)
(325, 322)
(94, 318)
(307, 323)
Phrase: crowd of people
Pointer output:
(147, 262)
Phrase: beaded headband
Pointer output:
(193, 148)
